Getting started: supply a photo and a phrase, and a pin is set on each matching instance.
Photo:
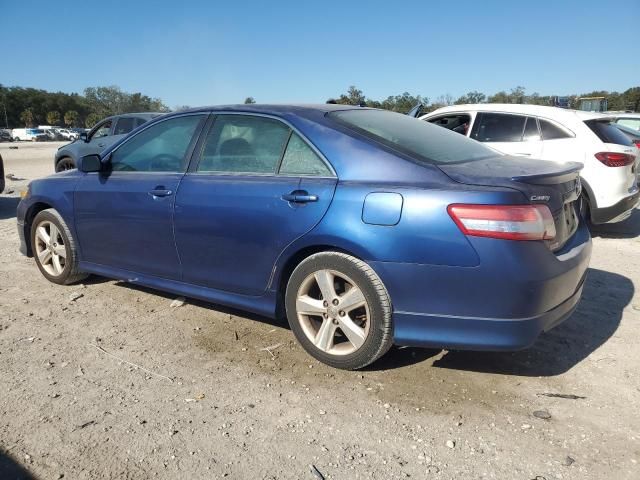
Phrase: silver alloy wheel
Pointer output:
(50, 248)
(333, 312)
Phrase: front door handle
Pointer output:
(300, 196)
(160, 192)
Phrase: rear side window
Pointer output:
(531, 132)
(498, 127)
(300, 159)
(244, 144)
(140, 121)
(416, 138)
(608, 133)
(458, 123)
(551, 131)
(124, 125)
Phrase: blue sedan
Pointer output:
(363, 227)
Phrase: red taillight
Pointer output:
(636, 143)
(510, 222)
(614, 159)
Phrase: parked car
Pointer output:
(631, 133)
(631, 120)
(5, 136)
(610, 190)
(60, 133)
(29, 134)
(68, 134)
(103, 135)
(365, 227)
(54, 134)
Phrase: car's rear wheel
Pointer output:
(65, 163)
(339, 310)
(17, 139)
(54, 248)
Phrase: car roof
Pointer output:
(276, 109)
(564, 116)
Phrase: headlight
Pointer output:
(26, 193)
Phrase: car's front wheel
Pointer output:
(54, 248)
(65, 163)
(339, 310)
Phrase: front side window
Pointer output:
(124, 125)
(458, 123)
(300, 159)
(498, 127)
(159, 148)
(244, 144)
(103, 130)
(551, 131)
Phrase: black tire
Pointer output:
(65, 163)
(380, 331)
(70, 273)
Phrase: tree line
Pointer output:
(627, 100)
(29, 107)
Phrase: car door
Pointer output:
(257, 186)
(124, 216)
(508, 133)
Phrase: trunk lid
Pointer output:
(553, 184)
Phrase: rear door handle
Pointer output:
(300, 197)
(160, 192)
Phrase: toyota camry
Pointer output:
(364, 228)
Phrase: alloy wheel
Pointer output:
(50, 248)
(333, 312)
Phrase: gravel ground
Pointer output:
(106, 380)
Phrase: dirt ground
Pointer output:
(118, 384)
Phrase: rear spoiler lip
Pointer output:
(571, 171)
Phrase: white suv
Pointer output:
(610, 159)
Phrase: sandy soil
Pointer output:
(212, 401)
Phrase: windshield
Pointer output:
(413, 137)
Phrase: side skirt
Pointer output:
(264, 305)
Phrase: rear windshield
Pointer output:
(416, 138)
(608, 133)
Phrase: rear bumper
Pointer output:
(617, 212)
(473, 333)
(519, 290)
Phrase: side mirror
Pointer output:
(89, 163)
(83, 137)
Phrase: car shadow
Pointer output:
(555, 352)
(630, 228)
(595, 320)
(8, 206)
(10, 469)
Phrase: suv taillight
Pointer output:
(614, 159)
(510, 222)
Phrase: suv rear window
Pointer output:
(608, 133)
(416, 138)
(498, 127)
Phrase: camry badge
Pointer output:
(540, 198)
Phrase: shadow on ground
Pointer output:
(11, 470)
(8, 207)
(630, 228)
(597, 318)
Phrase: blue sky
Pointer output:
(206, 52)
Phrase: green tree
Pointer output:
(471, 97)
(53, 118)
(92, 119)
(249, 101)
(354, 96)
(26, 117)
(71, 118)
